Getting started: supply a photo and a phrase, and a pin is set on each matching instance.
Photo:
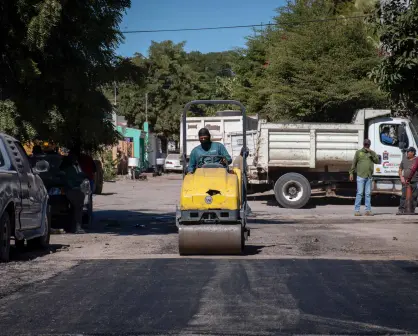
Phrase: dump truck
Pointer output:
(293, 159)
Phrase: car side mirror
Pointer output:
(41, 166)
(403, 138)
(244, 152)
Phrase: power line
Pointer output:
(240, 26)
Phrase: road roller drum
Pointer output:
(210, 239)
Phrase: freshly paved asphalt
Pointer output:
(218, 297)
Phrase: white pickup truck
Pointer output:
(294, 158)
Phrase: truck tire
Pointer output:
(292, 191)
(98, 178)
(5, 233)
(43, 241)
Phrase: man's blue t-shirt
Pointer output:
(386, 139)
(216, 148)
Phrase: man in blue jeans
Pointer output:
(363, 165)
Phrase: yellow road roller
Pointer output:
(211, 218)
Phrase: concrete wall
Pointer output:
(135, 134)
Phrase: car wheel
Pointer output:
(88, 215)
(5, 233)
(43, 241)
(98, 181)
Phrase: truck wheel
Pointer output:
(43, 241)
(98, 178)
(5, 233)
(292, 191)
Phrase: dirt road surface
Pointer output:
(315, 270)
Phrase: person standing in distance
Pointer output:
(404, 171)
(363, 165)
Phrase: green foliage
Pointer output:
(316, 71)
(55, 56)
(250, 67)
(109, 166)
(397, 74)
(309, 71)
(171, 78)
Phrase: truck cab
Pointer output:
(390, 139)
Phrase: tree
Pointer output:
(313, 71)
(171, 77)
(168, 81)
(55, 56)
(250, 67)
(397, 73)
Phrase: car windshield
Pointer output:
(173, 157)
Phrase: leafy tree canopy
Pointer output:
(397, 25)
(55, 56)
(307, 70)
(170, 78)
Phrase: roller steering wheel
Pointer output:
(212, 164)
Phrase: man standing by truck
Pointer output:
(404, 172)
(363, 165)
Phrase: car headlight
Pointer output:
(85, 186)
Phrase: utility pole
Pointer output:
(114, 91)
(146, 106)
(114, 114)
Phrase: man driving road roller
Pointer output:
(207, 147)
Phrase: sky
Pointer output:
(176, 14)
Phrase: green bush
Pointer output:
(109, 166)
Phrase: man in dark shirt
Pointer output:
(73, 179)
(207, 147)
(87, 165)
(404, 172)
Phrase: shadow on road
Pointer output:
(108, 194)
(26, 253)
(250, 250)
(214, 296)
(128, 222)
(315, 201)
(255, 220)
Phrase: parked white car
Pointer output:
(173, 163)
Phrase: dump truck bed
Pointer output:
(308, 145)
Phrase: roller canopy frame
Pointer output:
(244, 134)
